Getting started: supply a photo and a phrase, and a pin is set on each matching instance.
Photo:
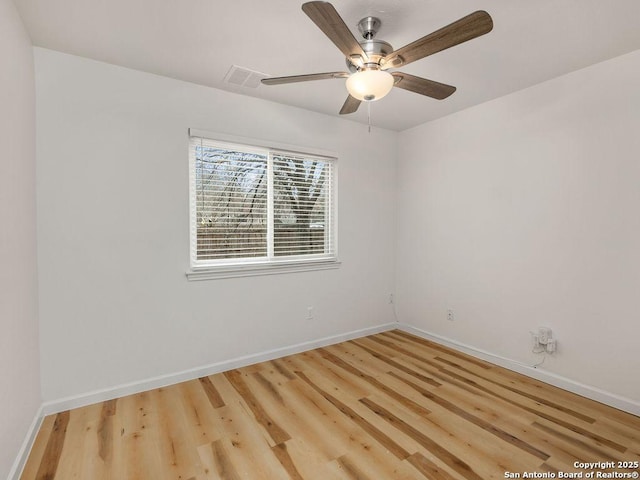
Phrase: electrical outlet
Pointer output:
(450, 315)
(391, 298)
(544, 335)
(309, 313)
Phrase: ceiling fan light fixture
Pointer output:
(370, 85)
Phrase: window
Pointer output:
(256, 209)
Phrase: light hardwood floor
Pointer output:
(389, 406)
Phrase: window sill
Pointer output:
(234, 271)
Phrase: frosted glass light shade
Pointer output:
(369, 85)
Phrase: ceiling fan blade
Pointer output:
(467, 28)
(330, 22)
(303, 78)
(420, 85)
(350, 105)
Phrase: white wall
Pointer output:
(113, 225)
(524, 211)
(19, 358)
(517, 213)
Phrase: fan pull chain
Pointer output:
(369, 115)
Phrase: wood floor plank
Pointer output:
(438, 348)
(512, 395)
(72, 457)
(282, 454)
(216, 461)
(212, 394)
(486, 375)
(178, 451)
(387, 406)
(116, 467)
(282, 368)
(300, 411)
(53, 451)
(337, 438)
(39, 447)
(561, 400)
(275, 431)
(462, 440)
(474, 419)
(436, 449)
(308, 461)
(627, 435)
(247, 443)
(397, 365)
(353, 471)
(374, 382)
(314, 361)
(579, 447)
(105, 430)
(523, 391)
(428, 468)
(96, 448)
(350, 407)
(562, 415)
(203, 424)
(140, 432)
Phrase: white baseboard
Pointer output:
(594, 393)
(102, 395)
(25, 448)
(589, 391)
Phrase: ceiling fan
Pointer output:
(368, 61)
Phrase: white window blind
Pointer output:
(256, 205)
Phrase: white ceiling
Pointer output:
(199, 40)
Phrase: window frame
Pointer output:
(250, 266)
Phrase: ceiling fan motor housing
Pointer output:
(374, 48)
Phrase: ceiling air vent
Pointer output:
(243, 77)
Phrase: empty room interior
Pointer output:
(363, 239)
